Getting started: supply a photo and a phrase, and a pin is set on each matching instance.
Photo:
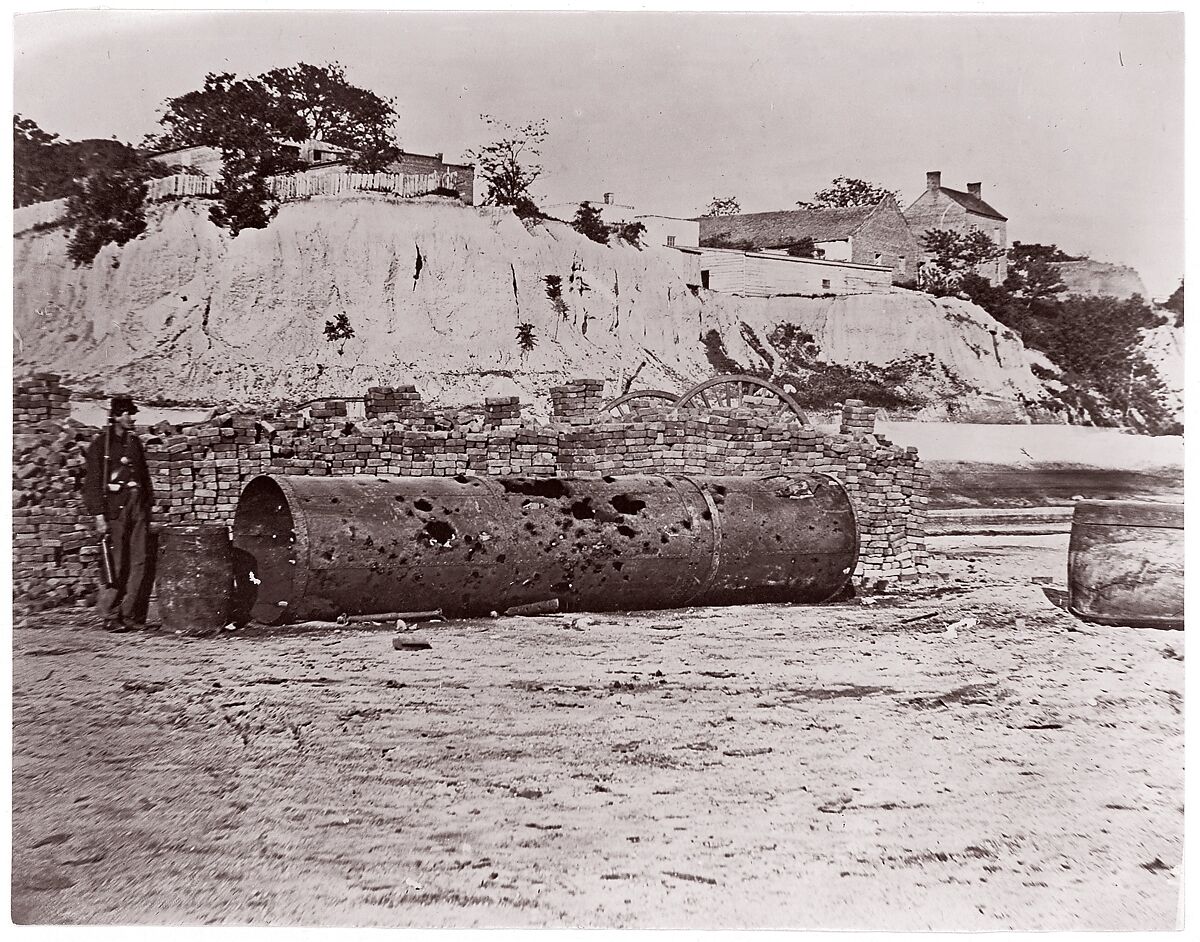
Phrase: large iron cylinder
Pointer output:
(1125, 563)
(325, 546)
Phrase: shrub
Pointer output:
(104, 207)
(588, 222)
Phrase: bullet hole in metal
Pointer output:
(423, 504)
(551, 488)
(334, 500)
(436, 533)
(624, 504)
(626, 530)
(582, 509)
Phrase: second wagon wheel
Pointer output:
(626, 405)
(741, 392)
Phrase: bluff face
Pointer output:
(434, 293)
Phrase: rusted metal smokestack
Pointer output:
(324, 546)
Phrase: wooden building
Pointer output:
(771, 274)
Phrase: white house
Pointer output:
(769, 274)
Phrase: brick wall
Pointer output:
(199, 470)
(887, 234)
(462, 175)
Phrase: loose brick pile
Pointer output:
(199, 470)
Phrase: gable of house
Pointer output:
(940, 207)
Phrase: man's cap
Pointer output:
(122, 404)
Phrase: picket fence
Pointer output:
(296, 186)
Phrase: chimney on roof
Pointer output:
(933, 180)
(608, 198)
(975, 189)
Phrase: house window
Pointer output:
(670, 240)
(704, 278)
(824, 282)
(878, 258)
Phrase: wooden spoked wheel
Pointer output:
(742, 392)
(625, 405)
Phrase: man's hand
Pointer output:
(101, 524)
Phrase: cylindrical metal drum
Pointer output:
(324, 546)
(1125, 563)
(195, 577)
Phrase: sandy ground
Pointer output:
(761, 766)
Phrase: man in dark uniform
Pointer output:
(117, 493)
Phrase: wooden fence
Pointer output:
(299, 186)
(180, 184)
(294, 186)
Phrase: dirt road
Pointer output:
(762, 766)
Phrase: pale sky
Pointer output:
(1073, 122)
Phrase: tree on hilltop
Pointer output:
(723, 206)
(248, 118)
(1032, 274)
(333, 110)
(508, 164)
(848, 191)
(952, 255)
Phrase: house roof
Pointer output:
(787, 227)
(972, 204)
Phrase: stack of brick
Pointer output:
(55, 545)
(392, 403)
(327, 409)
(40, 398)
(858, 418)
(577, 402)
(501, 411)
(199, 470)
